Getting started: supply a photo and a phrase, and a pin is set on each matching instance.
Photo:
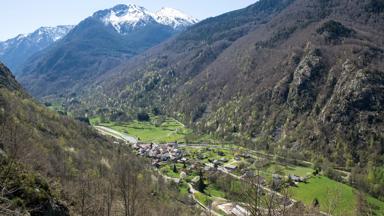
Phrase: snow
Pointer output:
(50, 33)
(41, 35)
(133, 16)
(174, 18)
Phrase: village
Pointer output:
(184, 164)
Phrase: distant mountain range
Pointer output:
(97, 44)
(15, 51)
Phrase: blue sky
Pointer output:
(24, 16)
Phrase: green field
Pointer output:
(157, 130)
(212, 190)
(169, 130)
(329, 193)
(203, 198)
(168, 170)
(288, 170)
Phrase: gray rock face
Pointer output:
(301, 95)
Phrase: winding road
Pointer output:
(116, 134)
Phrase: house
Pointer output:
(296, 178)
(230, 167)
(239, 211)
(216, 163)
(224, 160)
(165, 157)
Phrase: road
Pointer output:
(116, 134)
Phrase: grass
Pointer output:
(183, 188)
(329, 192)
(159, 130)
(212, 190)
(168, 170)
(288, 170)
(169, 130)
(203, 198)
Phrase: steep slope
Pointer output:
(7, 80)
(53, 165)
(96, 45)
(278, 75)
(14, 52)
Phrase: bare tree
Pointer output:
(109, 195)
(84, 192)
(128, 187)
(261, 201)
(253, 193)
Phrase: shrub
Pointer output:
(334, 30)
(143, 117)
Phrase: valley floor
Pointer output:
(183, 163)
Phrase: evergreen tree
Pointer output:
(174, 168)
(201, 185)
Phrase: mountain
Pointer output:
(98, 44)
(51, 164)
(174, 18)
(7, 80)
(125, 18)
(14, 52)
(300, 77)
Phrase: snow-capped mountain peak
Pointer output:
(174, 18)
(124, 18)
(52, 33)
(16, 50)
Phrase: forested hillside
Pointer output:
(53, 165)
(297, 77)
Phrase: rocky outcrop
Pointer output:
(302, 93)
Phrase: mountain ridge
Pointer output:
(267, 80)
(125, 18)
(91, 49)
(15, 51)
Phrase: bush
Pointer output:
(143, 117)
(334, 30)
